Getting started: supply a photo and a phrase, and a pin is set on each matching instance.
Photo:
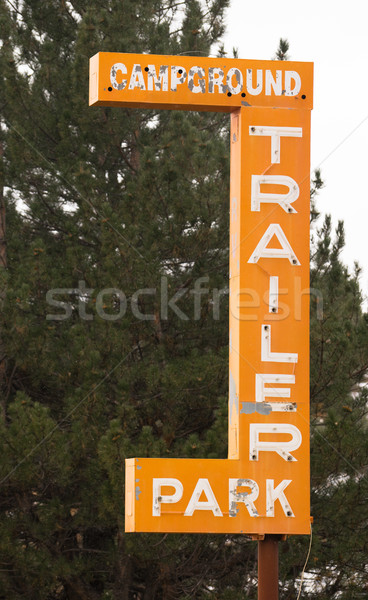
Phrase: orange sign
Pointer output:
(193, 83)
(263, 486)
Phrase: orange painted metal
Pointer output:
(197, 83)
(263, 486)
(249, 304)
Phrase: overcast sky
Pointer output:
(333, 35)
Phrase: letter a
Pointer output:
(285, 251)
(203, 485)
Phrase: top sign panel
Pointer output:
(197, 83)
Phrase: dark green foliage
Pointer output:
(339, 447)
(115, 199)
(282, 50)
(339, 363)
(111, 199)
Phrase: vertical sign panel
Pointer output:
(269, 312)
(263, 486)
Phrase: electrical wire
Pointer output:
(306, 562)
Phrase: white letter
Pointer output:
(234, 243)
(277, 494)
(282, 448)
(158, 499)
(239, 79)
(234, 209)
(285, 251)
(161, 82)
(289, 76)
(137, 79)
(203, 485)
(201, 85)
(114, 69)
(250, 89)
(275, 84)
(267, 355)
(273, 295)
(263, 392)
(178, 75)
(284, 200)
(247, 498)
(216, 78)
(275, 133)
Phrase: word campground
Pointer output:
(200, 80)
(197, 83)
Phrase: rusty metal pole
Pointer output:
(268, 568)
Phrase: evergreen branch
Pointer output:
(83, 198)
(57, 426)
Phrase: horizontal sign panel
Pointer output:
(197, 83)
(213, 496)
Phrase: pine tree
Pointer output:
(282, 50)
(101, 203)
(98, 207)
(339, 409)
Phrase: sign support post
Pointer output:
(262, 489)
(268, 568)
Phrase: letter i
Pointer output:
(273, 297)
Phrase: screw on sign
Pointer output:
(263, 486)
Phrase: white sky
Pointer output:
(334, 35)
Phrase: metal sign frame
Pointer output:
(263, 486)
